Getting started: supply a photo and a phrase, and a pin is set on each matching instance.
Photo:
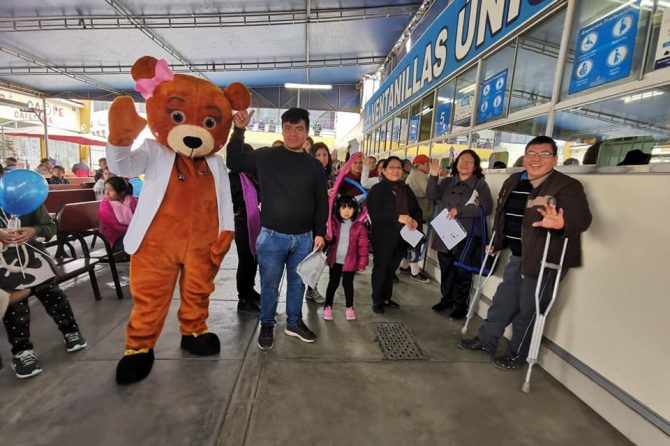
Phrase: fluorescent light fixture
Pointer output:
(640, 96)
(444, 99)
(469, 89)
(309, 86)
(426, 110)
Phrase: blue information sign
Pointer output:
(413, 129)
(492, 96)
(442, 118)
(605, 49)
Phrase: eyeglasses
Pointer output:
(543, 155)
(393, 168)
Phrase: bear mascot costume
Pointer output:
(183, 225)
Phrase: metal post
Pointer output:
(46, 130)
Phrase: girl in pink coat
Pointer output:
(348, 253)
(116, 210)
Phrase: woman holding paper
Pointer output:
(461, 194)
(392, 205)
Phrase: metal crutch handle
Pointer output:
(541, 318)
(474, 303)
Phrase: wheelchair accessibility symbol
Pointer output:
(584, 68)
(487, 90)
(589, 42)
(617, 56)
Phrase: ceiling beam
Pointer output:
(128, 15)
(127, 20)
(210, 67)
(49, 68)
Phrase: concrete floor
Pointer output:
(337, 391)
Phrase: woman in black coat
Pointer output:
(392, 205)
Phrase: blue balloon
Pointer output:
(137, 186)
(357, 185)
(22, 191)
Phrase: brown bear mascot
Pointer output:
(183, 225)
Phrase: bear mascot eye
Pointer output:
(209, 122)
(177, 117)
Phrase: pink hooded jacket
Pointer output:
(357, 255)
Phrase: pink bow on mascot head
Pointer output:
(336, 187)
(146, 87)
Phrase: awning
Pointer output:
(57, 135)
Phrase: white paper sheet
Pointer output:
(311, 267)
(413, 237)
(450, 231)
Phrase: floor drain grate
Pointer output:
(396, 341)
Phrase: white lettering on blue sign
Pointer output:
(476, 25)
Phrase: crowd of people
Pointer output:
(281, 197)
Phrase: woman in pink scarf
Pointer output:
(116, 210)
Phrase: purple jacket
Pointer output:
(357, 255)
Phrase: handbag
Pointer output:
(472, 252)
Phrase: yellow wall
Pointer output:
(85, 119)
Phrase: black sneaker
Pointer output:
(25, 364)
(473, 344)
(458, 314)
(420, 277)
(247, 306)
(301, 332)
(508, 362)
(74, 341)
(266, 337)
(391, 303)
(407, 270)
(377, 308)
(442, 305)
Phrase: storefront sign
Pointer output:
(605, 49)
(464, 30)
(442, 118)
(463, 109)
(663, 47)
(58, 113)
(492, 96)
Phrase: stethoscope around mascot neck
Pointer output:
(196, 160)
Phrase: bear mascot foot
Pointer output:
(134, 367)
(206, 344)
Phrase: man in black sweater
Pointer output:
(294, 211)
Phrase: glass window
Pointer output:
(414, 120)
(395, 134)
(426, 116)
(604, 132)
(382, 137)
(404, 126)
(375, 141)
(389, 129)
(656, 52)
(507, 143)
(464, 100)
(444, 111)
(604, 60)
(494, 90)
(447, 149)
(536, 64)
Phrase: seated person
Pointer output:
(58, 176)
(39, 281)
(99, 186)
(116, 210)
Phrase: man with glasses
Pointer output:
(294, 210)
(531, 203)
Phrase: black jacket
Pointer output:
(383, 213)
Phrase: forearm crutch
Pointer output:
(474, 303)
(541, 318)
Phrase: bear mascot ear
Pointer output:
(144, 68)
(238, 96)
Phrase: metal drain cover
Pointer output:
(396, 341)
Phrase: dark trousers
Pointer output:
(514, 301)
(336, 274)
(246, 265)
(17, 318)
(455, 282)
(387, 257)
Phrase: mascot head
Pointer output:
(190, 115)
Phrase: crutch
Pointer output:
(474, 303)
(541, 318)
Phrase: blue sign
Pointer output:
(461, 33)
(414, 128)
(605, 49)
(442, 118)
(491, 96)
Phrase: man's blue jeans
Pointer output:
(275, 250)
